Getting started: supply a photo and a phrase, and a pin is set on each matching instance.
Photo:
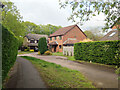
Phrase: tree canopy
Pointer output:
(85, 9)
(40, 29)
(93, 34)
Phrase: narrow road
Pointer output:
(103, 77)
(25, 76)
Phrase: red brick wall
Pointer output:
(74, 33)
(59, 43)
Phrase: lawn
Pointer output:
(61, 54)
(56, 76)
(24, 52)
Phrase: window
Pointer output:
(50, 38)
(60, 37)
(59, 46)
(37, 41)
(112, 34)
(55, 38)
(32, 41)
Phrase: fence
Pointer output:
(68, 50)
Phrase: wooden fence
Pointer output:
(68, 50)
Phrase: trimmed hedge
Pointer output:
(100, 52)
(9, 51)
(42, 45)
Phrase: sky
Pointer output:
(49, 12)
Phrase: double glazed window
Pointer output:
(60, 37)
(55, 38)
(50, 38)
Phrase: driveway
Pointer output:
(24, 75)
(101, 76)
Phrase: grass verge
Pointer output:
(73, 59)
(24, 52)
(57, 76)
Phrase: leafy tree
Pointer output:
(40, 29)
(85, 9)
(93, 35)
(42, 45)
(12, 20)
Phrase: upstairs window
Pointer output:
(50, 38)
(60, 37)
(55, 38)
(112, 34)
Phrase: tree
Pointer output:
(93, 35)
(85, 9)
(42, 45)
(12, 20)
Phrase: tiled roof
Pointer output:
(35, 36)
(62, 31)
(112, 35)
(53, 43)
(71, 41)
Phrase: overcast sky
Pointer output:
(49, 12)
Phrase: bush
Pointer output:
(39, 53)
(100, 52)
(42, 45)
(9, 51)
(48, 53)
(31, 50)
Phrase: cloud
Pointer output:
(49, 12)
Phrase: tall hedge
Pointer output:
(42, 45)
(9, 51)
(100, 52)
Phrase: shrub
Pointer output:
(39, 53)
(100, 51)
(48, 53)
(9, 51)
(31, 50)
(42, 45)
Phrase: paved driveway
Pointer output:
(102, 76)
(25, 75)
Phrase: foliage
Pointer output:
(42, 45)
(57, 76)
(31, 50)
(22, 52)
(40, 29)
(12, 19)
(48, 53)
(93, 36)
(117, 71)
(39, 53)
(85, 9)
(100, 52)
(9, 51)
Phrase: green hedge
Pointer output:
(9, 51)
(42, 45)
(100, 52)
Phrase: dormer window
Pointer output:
(112, 34)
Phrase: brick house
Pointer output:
(66, 36)
(31, 40)
(114, 34)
